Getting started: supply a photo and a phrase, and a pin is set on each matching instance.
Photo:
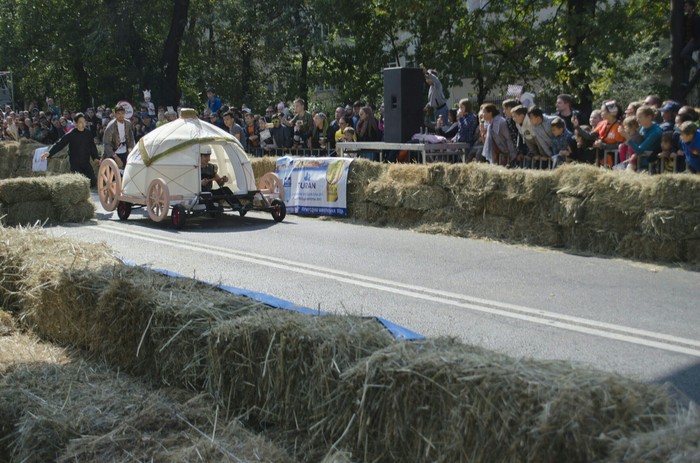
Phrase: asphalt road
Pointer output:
(636, 319)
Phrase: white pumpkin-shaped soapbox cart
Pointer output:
(162, 173)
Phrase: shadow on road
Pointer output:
(686, 381)
(200, 224)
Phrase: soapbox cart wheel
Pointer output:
(178, 216)
(109, 184)
(123, 210)
(279, 210)
(270, 184)
(158, 200)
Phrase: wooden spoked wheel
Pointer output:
(109, 184)
(270, 183)
(158, 200)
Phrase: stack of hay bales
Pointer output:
(16, 160)
(64, 198)
(86, 412)
(326, 385)
(281, 368)
(441, 401)
(158, 326)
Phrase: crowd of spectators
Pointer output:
(645, 135)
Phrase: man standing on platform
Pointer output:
(436, 97)
(118, 137)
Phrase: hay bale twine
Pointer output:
(281, 368)
(442, 401)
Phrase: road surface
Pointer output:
(636, 319)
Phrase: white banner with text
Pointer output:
(316, 186)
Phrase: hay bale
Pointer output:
(679, 192)
(280, 368)
(86, 412)
(30, 264)
(22, 190)
(360, 174)
(442, 401)
(28, 213)
(8, 159)
(158, 326)
(679, 442)
(416, 174)
(18, 349)
(7, 323)
(262, 166)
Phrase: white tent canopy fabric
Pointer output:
(171, 152)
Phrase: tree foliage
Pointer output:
(99, 51)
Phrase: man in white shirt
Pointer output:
(118, 137)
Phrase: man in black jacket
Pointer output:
(81, 148)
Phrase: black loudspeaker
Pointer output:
(403, 103)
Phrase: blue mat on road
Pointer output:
(399, 332)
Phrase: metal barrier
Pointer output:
(297, 152)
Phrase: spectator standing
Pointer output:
(252, 132)
(690, 138)
(563, 142)
(334, 126)
(81, 149)
(213, 103)
(303, 129)
(216, 120)
(436, 96)
(118, 137)
(515, 135)
(280, 134)
(319, 133)
(498, 146)
(234, 128)
(669, 111)
(541, 126)
(449, 128)
(651, 137)
(149, 124)
(630, 127)
(344, 123)
(565, 110)
(608, 130)
(368, 130)
(51, 106)
(468, 123)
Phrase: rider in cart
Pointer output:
(209, 176)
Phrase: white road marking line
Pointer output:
(538, 316)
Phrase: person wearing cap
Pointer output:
(118, 137)
(668, 112)
(210, 175)
(213, 103)
(149, 124)
(216, 120)
(81, 149)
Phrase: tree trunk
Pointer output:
(170, 59)
(304, 76)
(678, 92)
(577, 14)
(81, 79)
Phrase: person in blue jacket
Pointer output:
(690, 142)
